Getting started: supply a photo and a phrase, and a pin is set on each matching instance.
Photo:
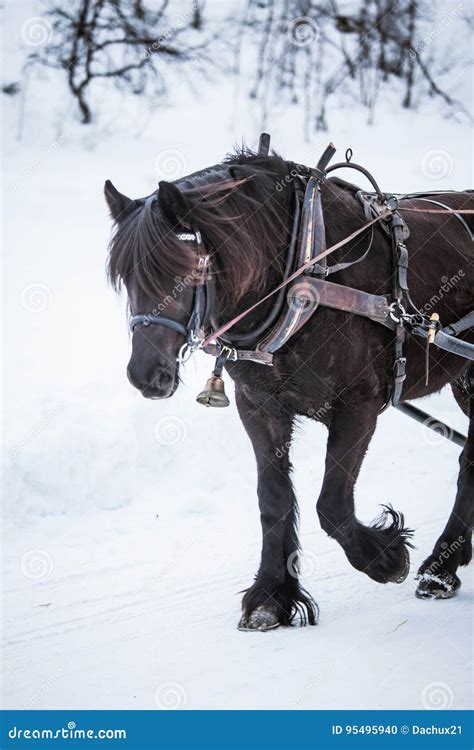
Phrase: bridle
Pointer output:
(203, 313)
(202, 307)
(307, 265)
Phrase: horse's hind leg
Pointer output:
(276, 595)
(379, 550)
(437, 575)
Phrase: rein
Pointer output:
(224, 328)
(446, 210)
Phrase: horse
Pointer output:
(336, 369)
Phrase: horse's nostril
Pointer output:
(155, 383)
(164, 380)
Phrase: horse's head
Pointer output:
(156, 253)
(145, 228)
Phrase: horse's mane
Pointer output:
(239, 208)
(348, 186)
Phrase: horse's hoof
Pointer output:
(403, 575)
(263, 618)
(442, 585)
(400, 576)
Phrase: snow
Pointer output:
(129, 527)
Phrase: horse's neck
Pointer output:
(271, 261)
(344, 214)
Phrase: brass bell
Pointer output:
(214, 393)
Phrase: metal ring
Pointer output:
(184, 353)
(392, 202)
(401, 310)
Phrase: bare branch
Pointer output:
(126, 42)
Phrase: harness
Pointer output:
(203, 300)
(305, 286)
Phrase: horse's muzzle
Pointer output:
(162, 384)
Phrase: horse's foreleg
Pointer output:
(379, 550)
(276, 595)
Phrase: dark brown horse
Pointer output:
(336, 369)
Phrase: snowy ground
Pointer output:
(124, 603)
(129, 527)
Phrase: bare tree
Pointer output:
(311, 49)
(131, 43)
(298, 51)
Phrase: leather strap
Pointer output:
(454, 329)
(402, 267)
(252, 338)
(324, 270)
(235, 355)
(150, 319)
(449, 343)
(318, 242)
(400, 288)
(449, 209)
(345, 298)
(224, 328)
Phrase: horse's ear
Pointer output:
(173, 203)
(118, 203)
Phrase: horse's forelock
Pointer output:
(240, 219)
(145, 250)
